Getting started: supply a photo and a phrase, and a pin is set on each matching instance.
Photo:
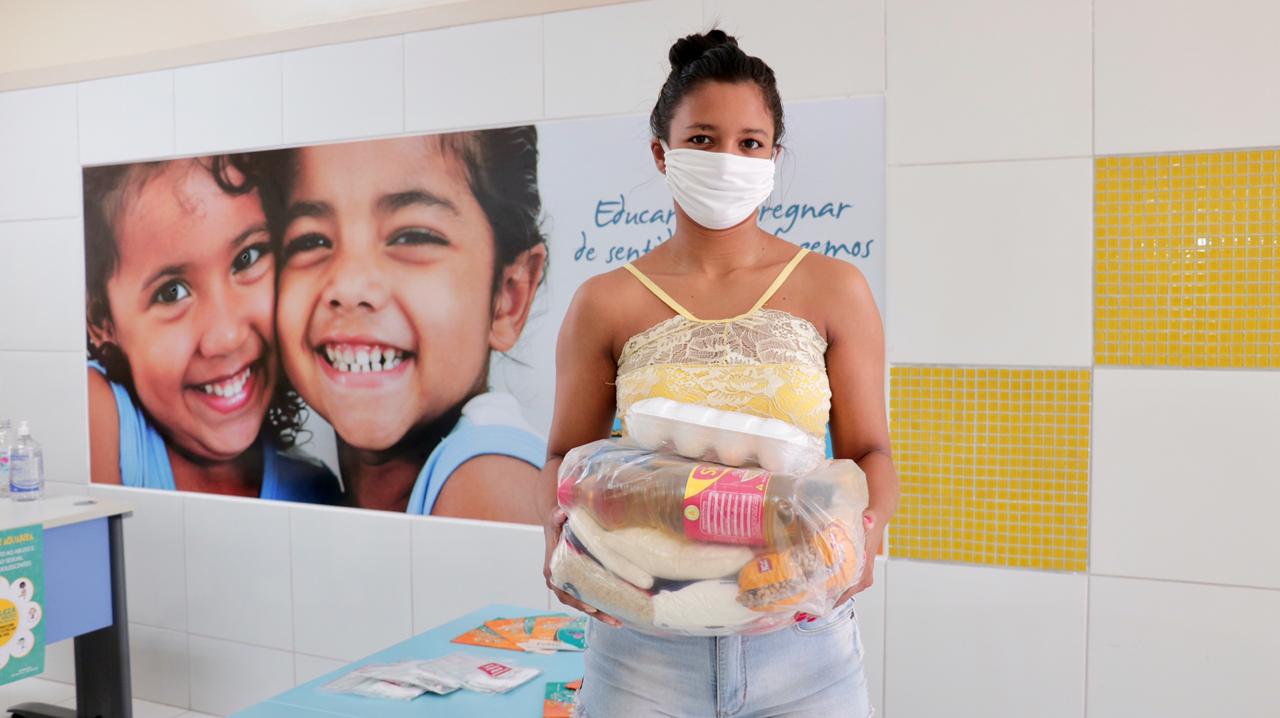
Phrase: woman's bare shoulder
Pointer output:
(616, 306)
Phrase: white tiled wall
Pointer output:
(228, 676)
(333, 574)
(989, 263)
(159, 665)
(49, 389)
(39, 154)
(460, 564)
(1193, 454)
(155, 556)
(233, 105)
(979, 642)
(344, 91)
(988, 80)
(36, 315)
(440, 92)
(603, 60)
(126, 118)
(816, 48)
(1185, 74)
(1179, 650)
(239, 584)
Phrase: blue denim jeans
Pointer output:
(809, 670)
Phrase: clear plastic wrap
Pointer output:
(722, 437)
(674, 546)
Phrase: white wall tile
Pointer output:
(123, 119)
(230, 105)
(43, 287)
(502, 84)
(612, 59)
(344, 91)
(1185, 74)
(60, 661)
(158, 665)
(308, 668)
(61, 488)
(50, 389)
(991, 263)
(1178, 650)
(155, 557)
(1184, 475)
(146, 709)
(227, 677)
(988, 79)
(372, 587)
(238, 583)
(461, 565)
(39, 155)
(816, 48)
(977, 642)
(870, 607)
(35, 690)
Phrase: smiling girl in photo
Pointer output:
(184, 384)
(404, 264)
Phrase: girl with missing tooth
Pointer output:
(184, 385)
(404, 263)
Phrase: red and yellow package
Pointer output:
(777, 580)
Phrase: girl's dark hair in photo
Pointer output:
(502, 172)
(105, 194)
(712, 57)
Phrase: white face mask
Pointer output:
(717, 190)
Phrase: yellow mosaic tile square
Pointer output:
(994, 465)
(1187, 260)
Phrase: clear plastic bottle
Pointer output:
(26, 467)
(623, 486)
(6, 436)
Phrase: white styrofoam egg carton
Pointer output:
(724, 437)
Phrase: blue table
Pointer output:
(84, 598)
(307, 701)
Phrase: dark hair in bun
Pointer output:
(712, 57)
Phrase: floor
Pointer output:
(45, 691)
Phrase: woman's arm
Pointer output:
(104, 431)
(859, 424)
(585, 405)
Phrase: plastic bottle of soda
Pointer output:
(624, 487)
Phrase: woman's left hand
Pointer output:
(875, 535)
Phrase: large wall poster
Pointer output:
(373, 323)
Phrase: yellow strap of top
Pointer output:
(678, 309)
(777, 283)
(657, 291)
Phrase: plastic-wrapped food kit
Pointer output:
(671, 545)
(722, 437)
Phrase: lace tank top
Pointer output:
(766, 362)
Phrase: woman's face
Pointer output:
(191, 307)
(385, 288)
(722, 117)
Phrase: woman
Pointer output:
(404, 263)
(808, 349)
(184, 383)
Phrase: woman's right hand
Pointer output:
(552, 528)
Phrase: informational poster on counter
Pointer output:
(21, 603)
(373, 323)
